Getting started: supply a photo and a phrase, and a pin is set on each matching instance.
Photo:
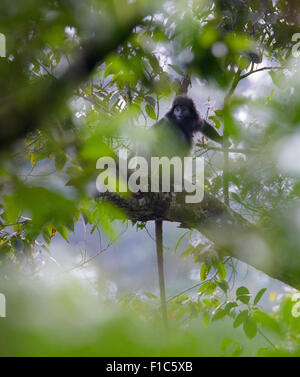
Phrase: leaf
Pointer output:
(204, 272)
(250, 328)
(223, 312)
(222, 271)
(179, 240)
(208, 288)
(177, 69)
(271, 94)
(242, 291)
(135, 109)
(45, 206)
(219, 113)
(236, 197)
(225, 344)
(150, 111)
(205, 318)
(104, 213)
(150, 100)
(230, 305)
(150, 295)
(278, 79)
(238, 349)
(223, 285)
(63, 232)
(241, 317)
(219, 314)
(108, 70)
(114, 99)
(262, 351)
(265, 320)
(60, 160)
(259, 295)
(188, 251)
(32, 159)
(243, 294)
(244, 299)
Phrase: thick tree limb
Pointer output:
(232, 234)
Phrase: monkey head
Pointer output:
(184, 113)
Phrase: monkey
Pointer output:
(182, 121)
(174, 137)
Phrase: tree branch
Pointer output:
(232, 234)
(259, 70)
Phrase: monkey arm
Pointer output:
(209, 131)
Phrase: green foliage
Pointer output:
(38, 201)
(56, 121)
(259, 296)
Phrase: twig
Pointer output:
(231, 150)
(45, 69)
(267, 339)
(259, 70)
(99, 252)
(198, 284)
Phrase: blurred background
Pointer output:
(80, 81)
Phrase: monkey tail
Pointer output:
(160, 265)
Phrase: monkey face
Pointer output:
(181, 112)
